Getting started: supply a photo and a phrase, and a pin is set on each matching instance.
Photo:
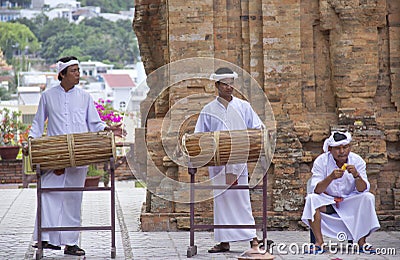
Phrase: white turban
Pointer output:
(332, 142)
(61, 65)
(218, 77)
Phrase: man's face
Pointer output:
(340, 153)
(225, 88)
(72, 75)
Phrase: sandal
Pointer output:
(315, 250)
(261, 242)
(45, 244)
(74, 250)
(219, 248)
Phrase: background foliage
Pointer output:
(93, 39)
(16, 37)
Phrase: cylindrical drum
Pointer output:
(223, 147)
(62, 151)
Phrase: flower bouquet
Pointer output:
(111, 117)
(10, 127)
(107, 113)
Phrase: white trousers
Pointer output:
(356, 216)
(232, 207)
(62, 208)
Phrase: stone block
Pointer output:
(314, 75)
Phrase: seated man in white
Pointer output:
(339, 181)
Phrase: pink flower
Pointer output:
(107, 113)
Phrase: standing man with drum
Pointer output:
(231, 207)
(67, 110)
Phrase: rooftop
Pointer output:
(118, 80)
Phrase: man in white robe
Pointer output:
(339, 181)
(231, 207)
(67, 110)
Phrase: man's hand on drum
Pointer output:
(116, 129)
(59, 171)
(25, 149)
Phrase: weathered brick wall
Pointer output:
(10, 171)
(323, 64)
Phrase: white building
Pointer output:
(37, 79)
(7, 15)
(118, 89)
(65, 13)
(115, 17)
(131, 72)
(94, 68)
(30, 86)
(28, 100)
(39, 4)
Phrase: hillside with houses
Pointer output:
(26, 72)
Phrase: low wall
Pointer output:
(11, 172)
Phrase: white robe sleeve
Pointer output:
(203, 123)
(252, 119)
(318, 172)
(37, 128)
(93, 119)
(361, 169)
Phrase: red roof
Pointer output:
(118, 80)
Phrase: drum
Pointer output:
(62, 151)
(223, 147)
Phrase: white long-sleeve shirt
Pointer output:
(239, 115)
(67, 112)
(341, 187)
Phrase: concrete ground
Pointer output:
(17, 217)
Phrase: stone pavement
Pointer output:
(17, 215)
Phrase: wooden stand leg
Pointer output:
(192, 249)
(39, 250)
(112, 172)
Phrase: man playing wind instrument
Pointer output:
(340, 185)
(231, 207)
(68, 110)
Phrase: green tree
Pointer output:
(35, 24)
(16, 37)
(4, 94)
(94, 39)
(54, 27)
(59, 43)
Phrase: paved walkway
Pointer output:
(17, 214)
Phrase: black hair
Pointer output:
(224, 70)
(337, 136)
(64, 60)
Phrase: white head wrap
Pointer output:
(218, 77)
(332, 143)
(61, 65)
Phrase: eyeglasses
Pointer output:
(227, 82)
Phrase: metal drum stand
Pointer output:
(111, 227)
(192, 248)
